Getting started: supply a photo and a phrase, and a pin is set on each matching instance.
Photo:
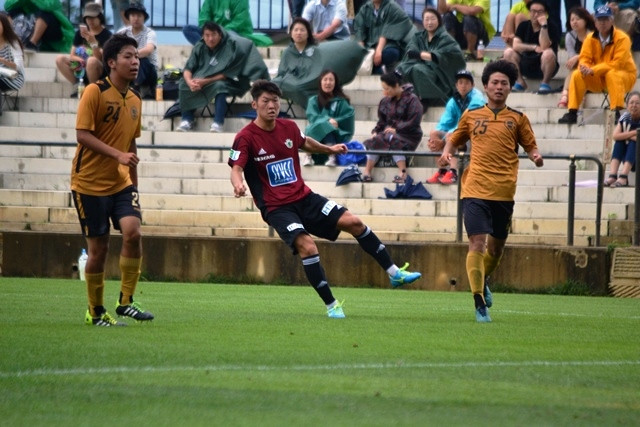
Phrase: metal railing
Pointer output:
(461, 166)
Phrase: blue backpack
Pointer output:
(352, 158)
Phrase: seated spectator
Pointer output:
(624, 14)
(432, 59)
(328, 19)
(605, 64)
(470, 23)
(11, 56)
(624, 149)
(398, 127)
(517, 15)
(384, 26)
(220, 65)
(304, 60)
(52, 31)
(535, 49)
(582, 24)
(147, 40)
(465, 97)
(88, 40)
(330, 115)
(232, 15)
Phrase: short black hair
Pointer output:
(114, 45)
(212, 26)
(392, 78)
(501, 66)
(261, 86)
(540, 2)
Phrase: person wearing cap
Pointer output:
(52, 31)
(432, 59)
(468, 21)
(535, 48)
(147, 40)
(605, 63)
(624, 14)
(465, 97)
(88, 40)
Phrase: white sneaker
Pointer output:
(307, 160)
(185, 126)
(332, 161)
(215, 127)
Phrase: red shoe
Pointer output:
(451, 177)
(435, 178)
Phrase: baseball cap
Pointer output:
(92, 10)
(603, 12)
(464, 74)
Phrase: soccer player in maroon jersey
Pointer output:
(266, 152)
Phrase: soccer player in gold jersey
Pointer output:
(104, 179)
(489, 183)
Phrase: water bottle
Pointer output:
(159, 89)
(80, 88)
(82, 263)
(480, 54)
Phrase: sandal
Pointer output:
(611, 180)
(623, 181)
(366, 178)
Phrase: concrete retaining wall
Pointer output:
(269, 260)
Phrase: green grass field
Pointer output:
(268, 355)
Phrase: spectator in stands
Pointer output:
(147, 40)
(299, 57)
(624, 14)
(104, 181)
(432, 59)
(87, 42)
(605, 64)
(232, 15)
(272, 171)
(11, 56)
(328, 19)
(384, 26)
(398, 127)
(535, 49)
(517, 15)
(465, 97)
(582, 24)
(220, 65)
(330, 115)
(119, 19)
(624, 149)
(489, 183)
(51, 30)
(470, 23)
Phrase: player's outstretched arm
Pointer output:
(312, 146)
(239, 189)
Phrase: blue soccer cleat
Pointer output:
(488, 296)
(336, 311)
(403, 277)
(482, 315)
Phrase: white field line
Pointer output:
(311, 368)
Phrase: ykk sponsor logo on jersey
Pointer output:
(281, 172)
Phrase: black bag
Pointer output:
(170, 89)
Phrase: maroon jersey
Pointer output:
(271, 164)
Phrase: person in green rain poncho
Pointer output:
(52, 31)
(331, 117)
(432, 60)
(384, 26)
(220, 65)
(232, 15)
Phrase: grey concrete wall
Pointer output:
(269, 260)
